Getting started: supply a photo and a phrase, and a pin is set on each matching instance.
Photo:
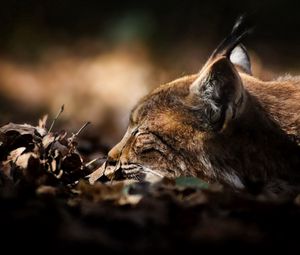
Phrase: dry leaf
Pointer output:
(48, 139)
(22, 160)
(94, 176)
(53, 165)
(64, 150)
(43, 121)
(45, 189)
(13, 155)
(6, 168)
(71, 162)
(62, 137)
(60, 164)
(101, 192)
(41, 131)
(22, 129)
(130, 199)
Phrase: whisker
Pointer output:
(138, 178)
(148, 170)
(129, 167)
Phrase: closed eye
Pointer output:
(147, 143)
(149, 147)
(149, 150)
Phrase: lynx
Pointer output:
(221, 125)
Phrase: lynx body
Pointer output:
(221, 124)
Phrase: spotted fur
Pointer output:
(221, 124)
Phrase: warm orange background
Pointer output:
(99, 58)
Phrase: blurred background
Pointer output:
(99, 57)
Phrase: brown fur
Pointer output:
(219, 125)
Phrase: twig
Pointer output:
(57, 116)
(71, 139)
(93, 160)
(83, 127)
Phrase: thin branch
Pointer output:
(94, 160)
(83, 127)
(72, 138)
(57, 116)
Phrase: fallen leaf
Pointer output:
(6, 168)
(130, 199)
(53, 165)
(71, 163)
(46, 190)
(190, 182)
(22, 129)
(101, 192)
(94, 176)
(48, 139)
(43, 121)
(40, 131)
(64, 150)
(13, 155)
(22, 160)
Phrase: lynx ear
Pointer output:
(218, 93)
(239, 57)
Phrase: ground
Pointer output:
(48, 205)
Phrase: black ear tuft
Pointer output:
(240, 29)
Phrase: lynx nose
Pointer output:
(118, 155)
(113, 155)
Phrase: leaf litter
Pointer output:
(51, 195)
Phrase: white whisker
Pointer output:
(148, 170)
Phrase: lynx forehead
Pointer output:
(221, 124)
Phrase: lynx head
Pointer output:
(219, 125)
(173, 130)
